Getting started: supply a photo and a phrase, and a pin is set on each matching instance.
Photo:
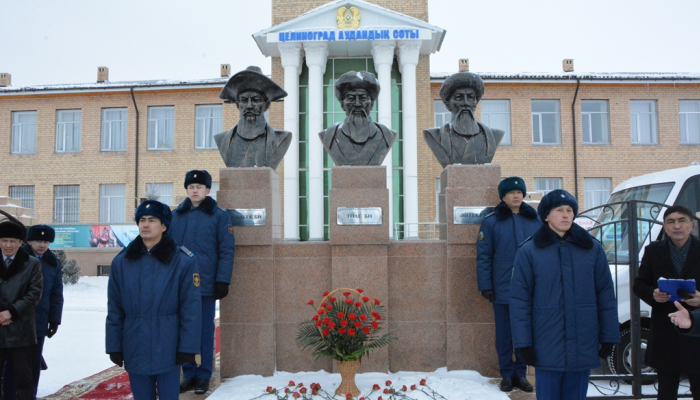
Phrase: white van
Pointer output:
(679, 186)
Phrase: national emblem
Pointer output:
(348, 18)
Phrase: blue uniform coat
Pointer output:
(50, 307)
(154, 306)
(501, 233)
(562, 300)
(206, 231)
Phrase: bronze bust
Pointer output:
(252, 142)
(463, 140)
(357, 140)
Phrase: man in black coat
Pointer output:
(677, 257)
(21, 285)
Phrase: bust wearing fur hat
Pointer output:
(252, 142)
(463, 140)
(357, 140)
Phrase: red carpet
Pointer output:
(110, 384)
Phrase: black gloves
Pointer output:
(683, 294)
(220, 290)
(52, 330)
(183, 358)
(488, 295)
(528, 355)
(117, 358)
(605, 350)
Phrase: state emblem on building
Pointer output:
(348, 18)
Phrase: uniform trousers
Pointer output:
(504, 345)
(9, 386)
(561, 385)
(167, 385)
(669, 382)
(21, 359)
(204, 371)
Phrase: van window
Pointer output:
(689, 195)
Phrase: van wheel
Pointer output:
(620, 361)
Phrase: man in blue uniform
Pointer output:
(501, 232)
(205, 229)
(153, 307)
(562, 302)
(50, 308)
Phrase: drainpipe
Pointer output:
(136, 156)
(573, 124)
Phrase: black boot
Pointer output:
(186, 384)
(506, 385)
(201, 386)
(523, 384)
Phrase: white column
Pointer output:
(291, 55)
(383, 54)
(316, 55)
(408, 59)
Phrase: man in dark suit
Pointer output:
(677, 257)
(357, 140)
(463, 140)
(253, 142)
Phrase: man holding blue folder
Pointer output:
(676, 257)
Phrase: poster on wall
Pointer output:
(94, 236)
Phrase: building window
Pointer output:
(690, 121)
(24, 193)
(24, 132)
(207, 124)
(68, 131)
(546, 185)
(214, 190)
(596, 192)
(596, 128)
(161, 128)
(162, 192)
(66, 203)
(103, 270)
(545, 122)
(496, 115)
(442, 114)
(643, 121)
(113, 129)
(112, 203)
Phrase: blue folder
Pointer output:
(671, 287)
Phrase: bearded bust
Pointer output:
(463, 140)
(357, 141)
(252, 142)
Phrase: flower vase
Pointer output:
(348, 370)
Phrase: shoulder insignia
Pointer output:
(525, 241)
(481, 235)
(187, 251)
(230, 229)
(195, 279)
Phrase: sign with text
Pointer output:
(359, 216)
(470, 215)
(247, 216)
(86, 236)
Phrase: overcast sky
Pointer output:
(54, 42)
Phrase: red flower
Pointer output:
(375, 325)
(314, 392)
(413, 387)
(365, 299)
(286, 390)
(329, 308)
(314, 318)
(379, 398)
(326, 332)
(341, 331)
(359, 290)
(296, 395)
(323, 305)
(374, 314)
(388, 383)
(352, 316)
(348, 396)
(358, 304)
(362, 398)
(357, 324)
(375, 387)
(321, 311)
(376, 301)
(291, 383)
(379, 317)
(348, 301)
(422, 382)
(332, 299)
(311, 302)
(365, 330)
(386, 391)
(319, 323)
(326, 320)
(331, 325)
(340, 315)
(363, 317)
(269, 389)
(351, 332)
(326, 293)
(344, 323)
(303, 390)
(404, 388)
(346, 294)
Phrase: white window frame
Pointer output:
(587, 117)
(546, 185)
(24, 193)
(685, 120)
(537, 126)
(164, 192)
(112, 205)
(636, 119)
(113, 128)
(23, 133)
(594, 197)
(67, 129)
(441, 115)
(66, 197)
(207, 126)
(487, 118)
(161, 127)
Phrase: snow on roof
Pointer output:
(612, 76)
(117, 85)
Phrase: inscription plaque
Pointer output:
(359, 216)
(247, 216)
(470, 215)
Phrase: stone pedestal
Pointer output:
(359, 252)
(247, 314)
(470, 320)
